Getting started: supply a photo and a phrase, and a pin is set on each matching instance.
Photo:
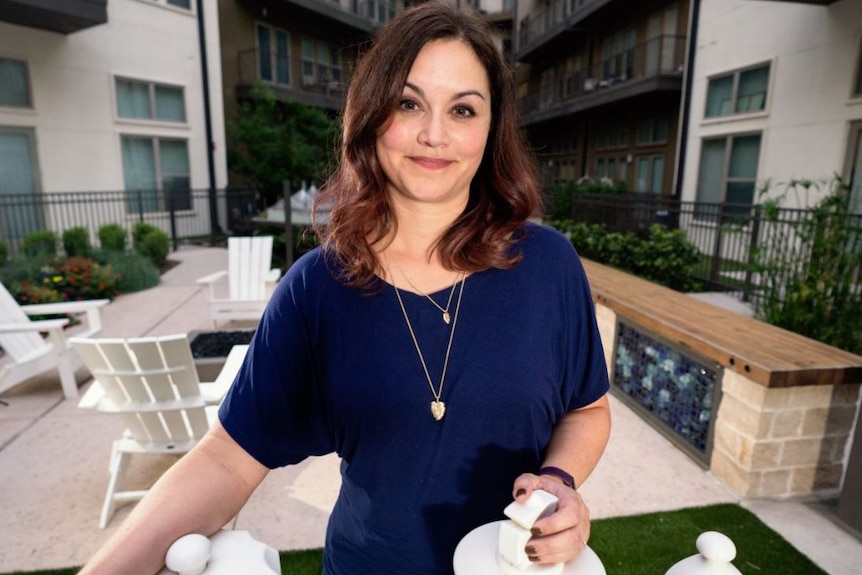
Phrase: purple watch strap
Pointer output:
(559, 474)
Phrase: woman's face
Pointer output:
(433, 143)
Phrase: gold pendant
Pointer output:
(438, 409)
(446, 317)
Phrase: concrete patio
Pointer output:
(54, 458)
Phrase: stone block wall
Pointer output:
(777, 442)
(772, 441)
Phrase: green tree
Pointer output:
(272, 141)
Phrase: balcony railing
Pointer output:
(369, 14)
(661, 56)
(554, 15)
(294, 74)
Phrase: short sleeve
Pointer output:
(275, 408)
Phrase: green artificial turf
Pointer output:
(644, 544)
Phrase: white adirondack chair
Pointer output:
(250, 280)
(29, 353)
(153, 385)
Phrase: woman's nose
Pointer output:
(433, 131)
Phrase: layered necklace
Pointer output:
(438, 408)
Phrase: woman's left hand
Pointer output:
(562, 535)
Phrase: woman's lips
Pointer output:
(430, 163)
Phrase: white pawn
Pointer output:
(189, 554)
(716, 553)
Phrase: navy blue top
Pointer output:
(332, 368)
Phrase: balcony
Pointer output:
(654, 66)
(294, 79)
(363, 16)
(62, 16)
(551, 26)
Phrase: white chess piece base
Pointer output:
(477, 554)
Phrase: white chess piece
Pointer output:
(226, 553)
(716, 553)
(189, 554)
(515, 533)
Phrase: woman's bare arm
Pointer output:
(199, 494)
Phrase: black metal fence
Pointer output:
(185, 215)
(740, 245)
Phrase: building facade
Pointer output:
(600, 86)
(107, 97)
(776, 96)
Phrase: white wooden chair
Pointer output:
(153, 385)
(250, 280)
(29, 353)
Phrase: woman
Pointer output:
(446, 349)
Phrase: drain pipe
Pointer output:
(214, 225)
(694, 20)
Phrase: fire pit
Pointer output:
(210, 349)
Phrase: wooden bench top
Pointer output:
(766, 354)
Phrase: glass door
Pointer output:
(19, 207)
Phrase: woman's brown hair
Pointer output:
(504, 192)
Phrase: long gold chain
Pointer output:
(438, 408)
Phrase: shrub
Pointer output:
(136, 271)
(808, 271)
(151, 242)
(81, 278)
(41, 244)
(76, 242)
(559, 200)
(4, 252)
(26, 293)
(112, 237)
(665, 257)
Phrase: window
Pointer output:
(14, 84)
(652, 132)
(321, 63)
(187, 4)
(19, 177)
(728, 171)
(273, 55)
(150, 101)
(650, 174)
(741, 92)
(612, 168)
(156, 173)
(611, 137)
(618, 56)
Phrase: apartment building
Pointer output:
(106, 97)
(304, 50)
(776, 95)
(601, 86)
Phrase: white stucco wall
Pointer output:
(77, 131)
(814, 53)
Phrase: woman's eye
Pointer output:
(464, 111)
(408, 105)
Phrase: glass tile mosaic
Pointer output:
(677, 389)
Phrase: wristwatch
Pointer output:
(567, 479)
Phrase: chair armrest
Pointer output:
(214, 392)
(273, 275)
(92, 307)
(64, 307)
(212, 278)
(35, 326)
(94, 395)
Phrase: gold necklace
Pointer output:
(438, 408)
(445, 311)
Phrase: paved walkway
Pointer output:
(54, 458)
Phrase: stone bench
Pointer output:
(784, 405)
